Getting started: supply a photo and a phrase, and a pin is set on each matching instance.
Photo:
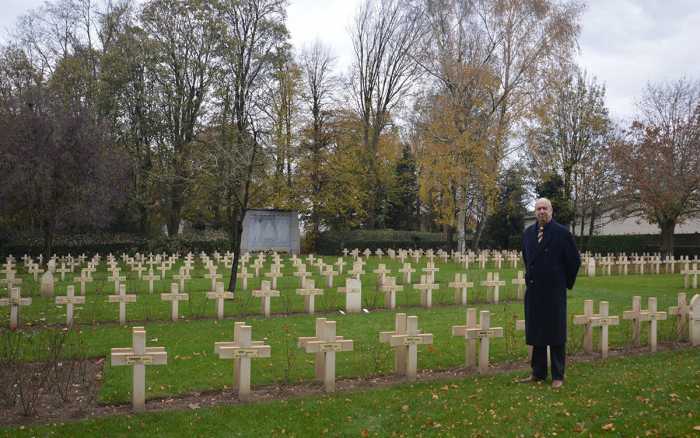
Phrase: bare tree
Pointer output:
(570, 130)
(254, 38)
(319, 84)
(659, 160)
(385, 36)
(184, 38)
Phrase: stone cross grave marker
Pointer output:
(181, 277)
(430, 270)
(653, 316)
(590, 320)
(10, 280)
(69, 300)
(407, 271)
(35, 270)
(138, 356)
(309, 292)
(14, 301)
(520, 326)
(483, 332)
(329, 273)
(694, 320)
(301, 274)
(405, 340)
(635, 316)
(274, 274)
(482, 260)
(84, 277)
(681, 312)
(150, 278)
(257, 265)
(174, 297)
(591, 267)
(244, 276)
(163, 268)
(513, 259)
(622, 265)
(461, 287)
(139, 268)
(357, 270)
(520, 282)
(493, 285)
(379, 253)
(381, 272)
(63, 270)
(639, 262)
(390, 288)
(325, 344)
(687, 273)
(340, 263)
(498, 259)
(122, 298)
(219, 294)
(214, 277)
(265, 293)
(116, 279)
(242, 350)
(426, 291)
(353, 295)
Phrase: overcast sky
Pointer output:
(623, 43)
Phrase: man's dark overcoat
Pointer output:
(551, 268)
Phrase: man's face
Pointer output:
(543, 211)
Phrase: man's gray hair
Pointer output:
(545, 200)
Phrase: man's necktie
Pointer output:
(540, 234)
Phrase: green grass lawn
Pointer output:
(629, 396)
(192, 366)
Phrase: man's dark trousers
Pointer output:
(539, 361)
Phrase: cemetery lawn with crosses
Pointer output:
(625, 396)
(193, 366)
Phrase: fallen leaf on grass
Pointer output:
(697, 427)
(609, 427)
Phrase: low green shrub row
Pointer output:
(119, 243)
(683, 244)
(330, 243)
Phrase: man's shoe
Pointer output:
(556, 384)
(530, 379)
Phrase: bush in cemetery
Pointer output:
(289, 347)
(35, 364)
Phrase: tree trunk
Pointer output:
(236, 232)
(591, 227)
(175, 209)
(48, 227)
(668, 227)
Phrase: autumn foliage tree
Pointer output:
(659, 158)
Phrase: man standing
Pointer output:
(551, 262)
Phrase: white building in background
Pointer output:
(610, 224)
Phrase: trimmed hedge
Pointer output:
(332, 243)
(329, 243)
(683, 244)
(89, 244)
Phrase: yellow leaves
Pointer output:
(609, 427)
(580, 427)
(697, 428)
